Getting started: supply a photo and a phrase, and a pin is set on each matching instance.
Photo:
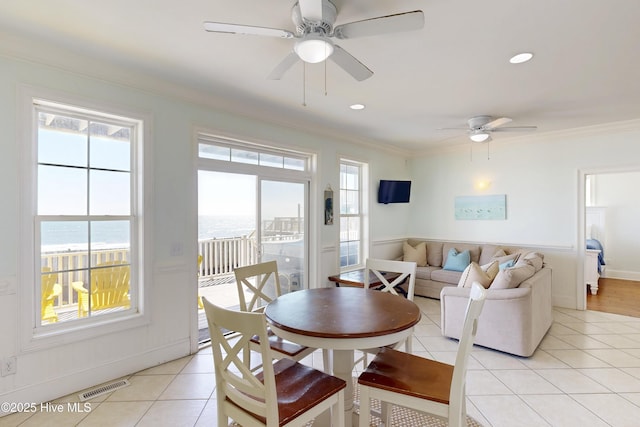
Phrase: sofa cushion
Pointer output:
(434, 254)
(486, 253)
(425, 272)
(536, 259)
(417, 254)
(457, 261)
(512, 277)
(474, 250)
(446, 276)
(483, 274)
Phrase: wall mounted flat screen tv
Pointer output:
(394, 191)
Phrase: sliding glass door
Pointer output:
(283, 229)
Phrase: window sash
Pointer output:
(351, 249)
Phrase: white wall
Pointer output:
(45, 374)
(617, 192)
(539, 173)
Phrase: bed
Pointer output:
(594, 263)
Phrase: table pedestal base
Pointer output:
(343, 368)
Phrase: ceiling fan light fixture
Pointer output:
(313, 49)
(479, 136)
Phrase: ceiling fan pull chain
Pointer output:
(325, 78)
(304, 84)
(488, 150)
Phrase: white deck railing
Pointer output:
(219, 256)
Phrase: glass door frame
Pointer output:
(305, 215)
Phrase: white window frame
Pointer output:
(363, 214)
(33, 335)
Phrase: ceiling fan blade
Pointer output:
(351, 65)
(496, 123)
(220, 27)
(311, 10)
(396, 23)
(283, 66)
(515, 129)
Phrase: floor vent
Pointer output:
(103, 389)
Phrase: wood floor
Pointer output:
(616, 296)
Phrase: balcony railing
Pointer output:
(220, 256)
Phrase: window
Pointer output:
(352, 214)
(86, 225)
(210, 147)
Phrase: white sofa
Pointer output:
(516, 316)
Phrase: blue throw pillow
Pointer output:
(457, 261)
(507, 264)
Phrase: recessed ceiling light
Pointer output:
(521, 57)
(357, 107)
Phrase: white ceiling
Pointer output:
(586, 68)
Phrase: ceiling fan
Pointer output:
(480, 127)
(314, 31)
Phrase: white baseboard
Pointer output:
(60, 386)
(621, 274)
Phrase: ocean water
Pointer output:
(58, 236)
(220, 226)
(70, 235)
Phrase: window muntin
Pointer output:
(85, 212)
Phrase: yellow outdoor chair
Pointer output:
(109, 288)
(200, 306)
(50, 290)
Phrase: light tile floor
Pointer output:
(586, 373)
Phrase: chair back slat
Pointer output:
(260, 282)
(405, 269)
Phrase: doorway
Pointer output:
(609, 211)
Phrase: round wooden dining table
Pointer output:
(342, 319)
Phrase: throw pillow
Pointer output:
(502, 257)
(457, 261)
(534, 258)
(512, 277)
(416, 254)
(507, 264)
(483, 274)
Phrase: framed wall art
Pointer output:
(493, 207)
(328, 206)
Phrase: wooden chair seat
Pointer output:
(299, 388)
(287, 348)
(408, 374)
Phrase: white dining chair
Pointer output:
(258, 285)
(284, 393)
(405, 275)
(403, 379)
